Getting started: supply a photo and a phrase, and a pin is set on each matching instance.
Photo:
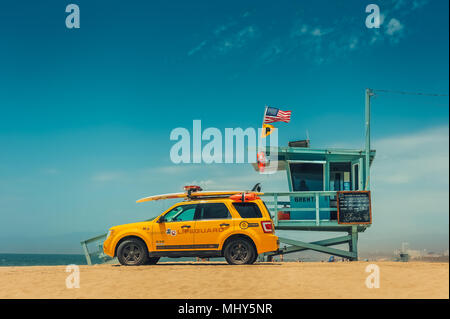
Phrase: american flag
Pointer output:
(276, 115)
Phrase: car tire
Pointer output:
(239, 251)
(152, 260)
(132, 252)
(255, 257)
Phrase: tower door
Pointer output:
(340, 176)
(357, 183)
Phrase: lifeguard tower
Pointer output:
(329, 191)
(318, 179)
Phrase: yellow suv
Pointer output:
(234, 225)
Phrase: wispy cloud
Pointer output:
(394, 28)
(229, 36)
(224, 27)
(197, 48)
(310, 38)
(325, 41)
(272, 52)
(237, 40)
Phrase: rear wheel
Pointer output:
(132, 252)
(239, 251)
(255, 257)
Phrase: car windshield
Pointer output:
(180, 213)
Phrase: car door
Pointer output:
(213, 223)
(174, 230)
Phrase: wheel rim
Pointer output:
(239, 253)
(132, 254)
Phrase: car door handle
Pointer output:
(222, 225)
(185, 226)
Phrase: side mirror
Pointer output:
(161, 220)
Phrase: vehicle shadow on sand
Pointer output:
(201, 264)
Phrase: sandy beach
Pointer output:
(219, 280)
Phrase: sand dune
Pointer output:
(218, 280)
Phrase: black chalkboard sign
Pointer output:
(353, 207)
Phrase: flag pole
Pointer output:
(262, 125)
(264, 117)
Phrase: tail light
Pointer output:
(267, 226)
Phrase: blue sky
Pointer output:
(86, 113)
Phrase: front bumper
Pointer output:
(108, 247)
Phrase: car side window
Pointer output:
(180, 214)
(213, 211)
(248, 210)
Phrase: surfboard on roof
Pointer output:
(193, 195)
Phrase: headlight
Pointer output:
(109, 233)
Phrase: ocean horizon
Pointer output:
(36, 259)
(13, 259)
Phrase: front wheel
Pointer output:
(132, 252)
(239, 252)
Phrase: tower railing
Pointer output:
(281, 202)
(96, 254)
